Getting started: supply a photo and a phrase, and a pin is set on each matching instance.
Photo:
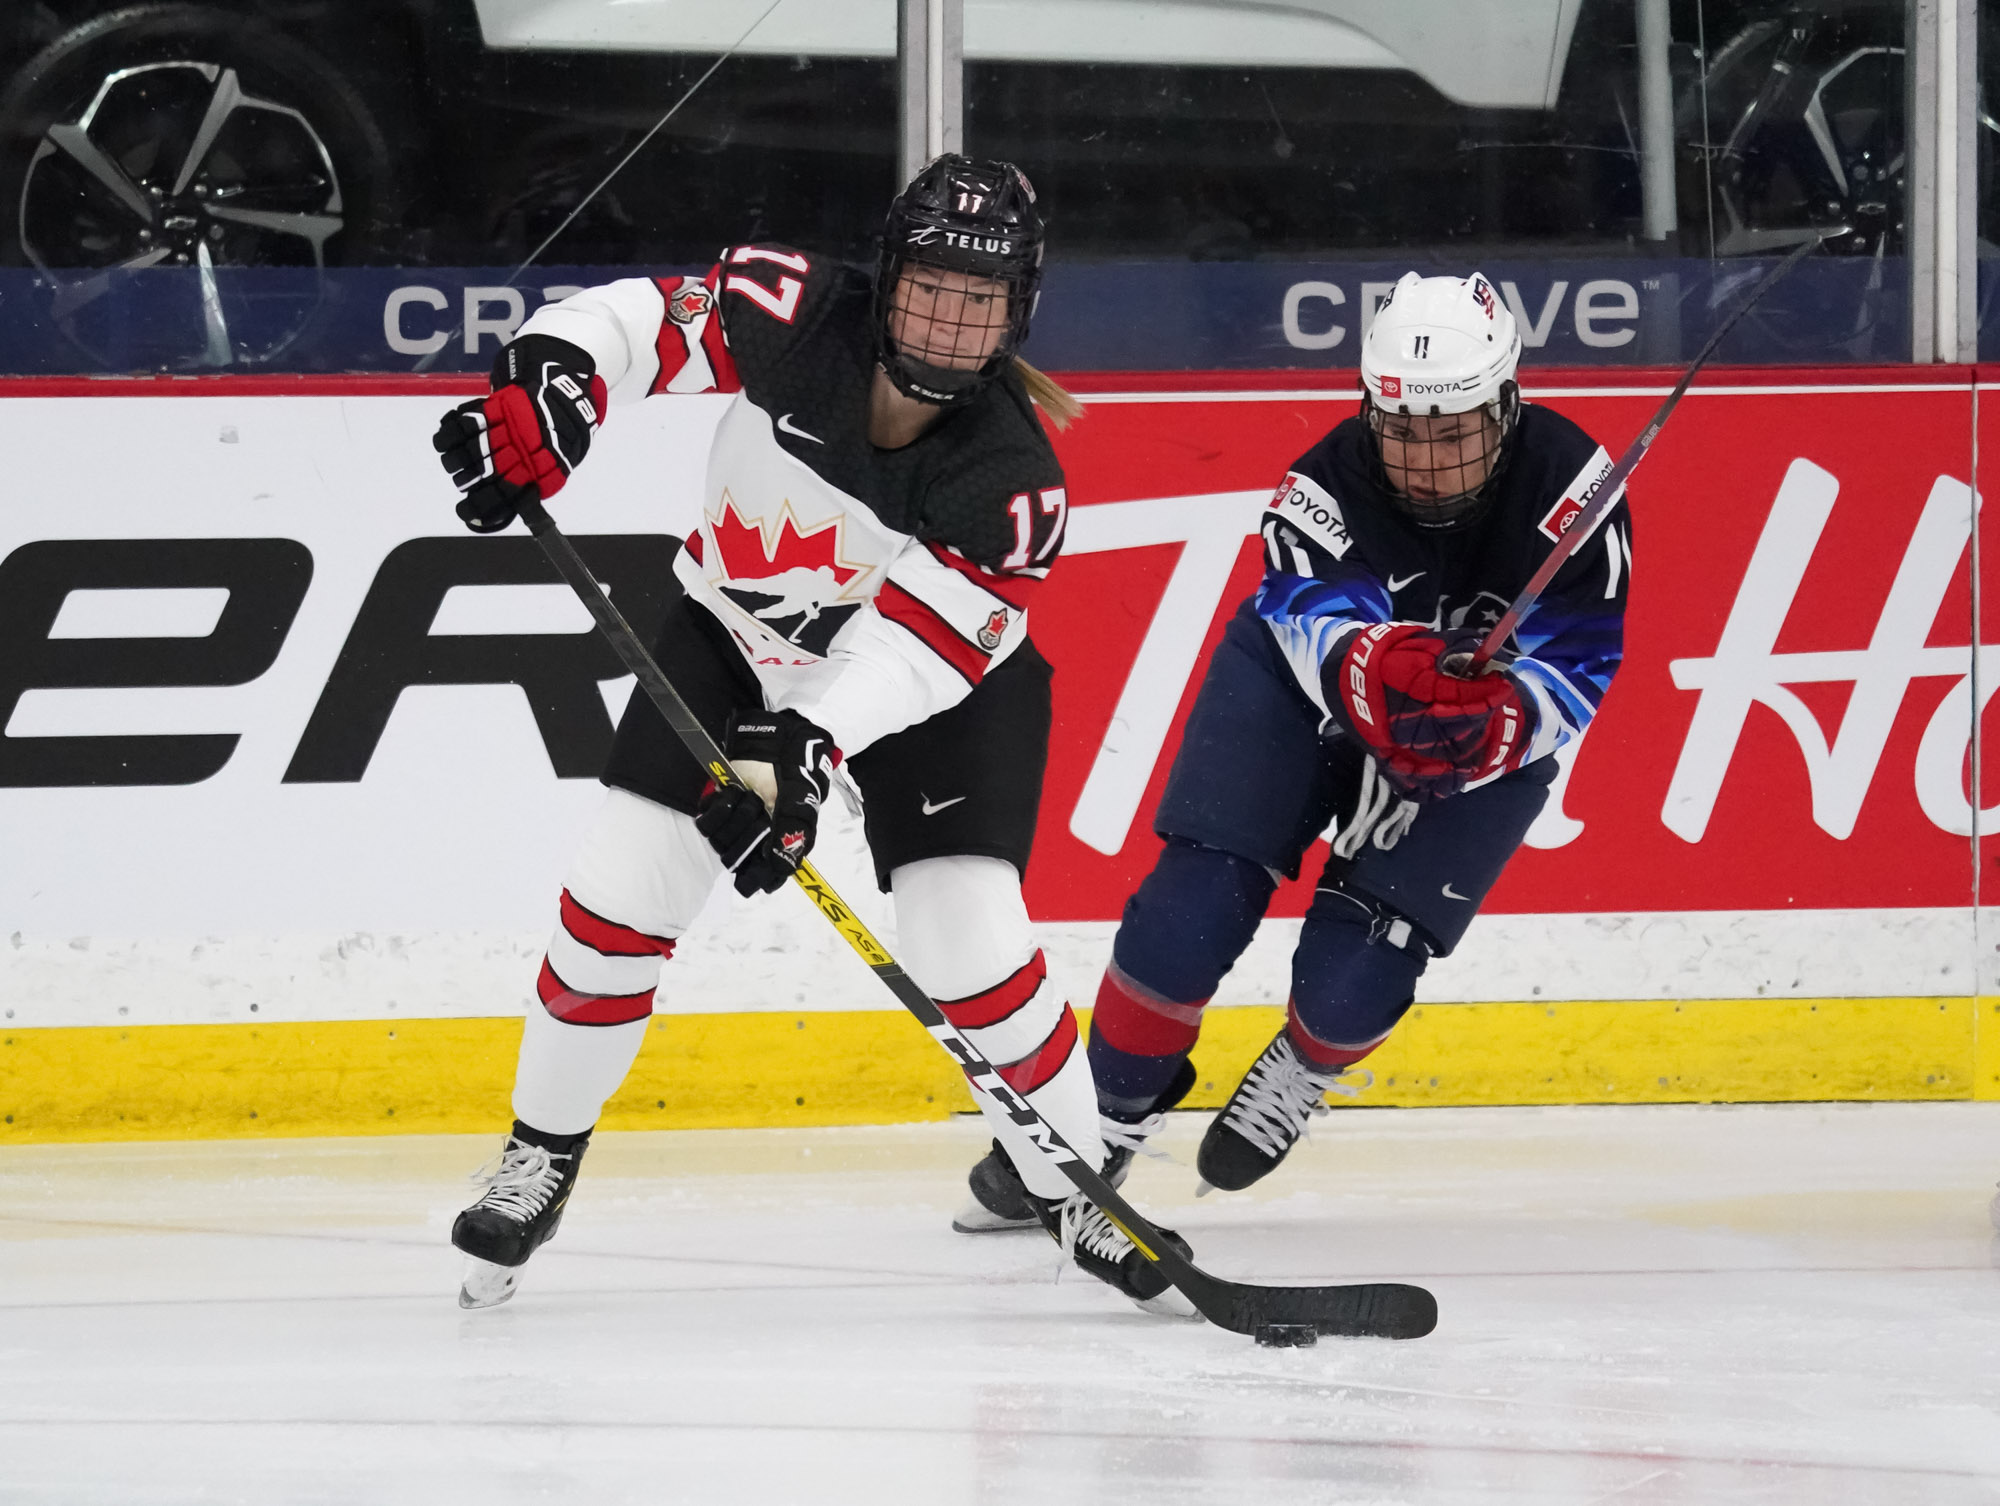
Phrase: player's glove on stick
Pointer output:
(524, 439)
(763, 829)
(1432, 732)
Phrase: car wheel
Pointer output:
(185, 137)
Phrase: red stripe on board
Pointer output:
(997, 1003)
(608, 936)
(1038, 1067)
(899, 606)
(574, 1008)
(1011, 589)
(1140, 1024)
(460, 384)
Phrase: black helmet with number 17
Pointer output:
(960, 270)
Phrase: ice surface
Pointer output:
(1640, 1306)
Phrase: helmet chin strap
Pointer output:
(941, 386)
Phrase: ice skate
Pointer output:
(999, 1199)
(517, 1214)
(1266, 1115)
(1097, 1245)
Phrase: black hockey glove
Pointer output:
(793, 761)
(523, 440)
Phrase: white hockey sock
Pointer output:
(967, 942)
(567, 1071)
(640, 878)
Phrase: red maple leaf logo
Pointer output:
(747, 556)
(689, 304)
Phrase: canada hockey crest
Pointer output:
(788, 579)
(994, 630)
(689, 304)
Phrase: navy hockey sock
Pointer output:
(1129, 1084)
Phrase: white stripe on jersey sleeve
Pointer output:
(619, 324)
(1307, 646)
(1561, 714)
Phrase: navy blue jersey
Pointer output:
(1339, 555)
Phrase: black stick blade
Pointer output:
(1364, 1310)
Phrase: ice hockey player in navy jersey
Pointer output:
(880, 504)
(1332, 706)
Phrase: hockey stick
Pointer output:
(1387, 1310)
(1613, 484)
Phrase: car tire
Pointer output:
(146, 66)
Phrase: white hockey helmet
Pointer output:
(1439, 346)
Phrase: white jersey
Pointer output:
(868, 589)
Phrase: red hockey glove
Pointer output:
(1433, 732)
(762, 833)
(524, 440)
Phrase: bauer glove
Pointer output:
(1432, 731)
(521, 442)
(763, 829)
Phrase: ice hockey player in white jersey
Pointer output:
(1332, 705)
(880, 504)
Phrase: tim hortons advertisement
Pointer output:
(280, 740)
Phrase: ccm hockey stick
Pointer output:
(1609, 490)
(1298, 1314)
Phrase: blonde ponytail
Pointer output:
(1062, 409)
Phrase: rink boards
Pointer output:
(291, 766)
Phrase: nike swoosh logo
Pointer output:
(1397, 585)
(1449, 894)
(932, 810)
(785, 423)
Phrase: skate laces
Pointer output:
(1118, 1134)
(1281, 1093)
(1089, 1227)
(523, 1180)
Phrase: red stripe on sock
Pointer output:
(1000, 1001)
(1140, 1025)
(609, 937)
(1324, 1054)
(1038, 1067)
(574, 1008)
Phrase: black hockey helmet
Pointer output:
(958, 216)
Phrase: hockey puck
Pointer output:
(1286, 1335)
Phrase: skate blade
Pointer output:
(976, 1218)
(1171, 1303)
(486, 1284)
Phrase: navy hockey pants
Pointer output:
(1251, 788)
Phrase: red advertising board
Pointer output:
(1791, 725)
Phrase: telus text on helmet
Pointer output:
(930, 234)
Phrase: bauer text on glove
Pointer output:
(522, 440)
(1433, 732)
(792, 759)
